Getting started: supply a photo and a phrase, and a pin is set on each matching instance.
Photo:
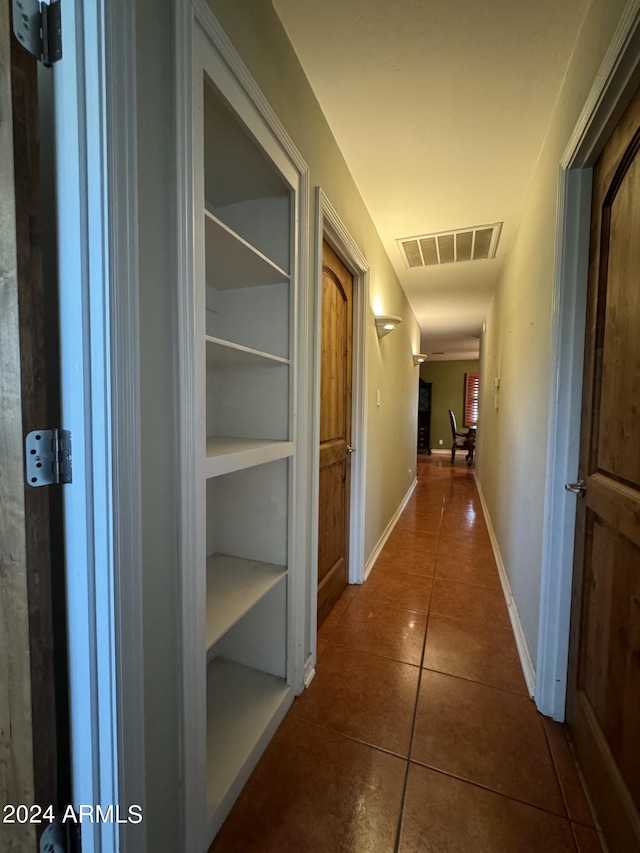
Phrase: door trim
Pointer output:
(95, 140)
(613, 88)
(330, 227)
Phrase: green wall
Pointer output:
(447, 392)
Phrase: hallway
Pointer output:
(381, 754)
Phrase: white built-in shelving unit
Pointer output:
(246, 199)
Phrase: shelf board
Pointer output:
(221, 353)
(225, 455)
(233, 262)
(243, 706)
(234, 585)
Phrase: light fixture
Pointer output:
(386, 323)
(419, 358)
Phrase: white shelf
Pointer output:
(221, 353)
(233, 262)
(225, 455)
(234, 585)
(243, 706)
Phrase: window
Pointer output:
(470, 399)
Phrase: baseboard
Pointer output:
(387, 531)
(526, 660)
(309, 672)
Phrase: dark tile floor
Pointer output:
(417, 732)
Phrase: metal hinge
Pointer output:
(38, 28)
(48, 457)
(578, 488)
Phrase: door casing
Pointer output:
(614, 86)
(96, 211)
(330, 227)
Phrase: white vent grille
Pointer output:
(451, 247)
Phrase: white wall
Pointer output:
(512, 450)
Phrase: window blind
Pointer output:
(471, 387)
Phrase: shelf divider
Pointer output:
(234, 585)
(224, 353)
(228, 454)
(233, 262)
(245, 706)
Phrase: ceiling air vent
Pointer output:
(450, 247)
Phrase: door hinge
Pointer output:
(578, 488)
(48, 454)
(38, 28)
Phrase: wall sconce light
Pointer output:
(386, 323)
(419, 358)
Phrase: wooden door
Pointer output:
(604, 684)
(424, 417)
(335, 431)
(31, 569)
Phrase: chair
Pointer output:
(461, 440)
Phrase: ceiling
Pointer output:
(440, 108)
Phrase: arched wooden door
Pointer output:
(335, 430)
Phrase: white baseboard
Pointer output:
(526, 660)
(309, 671)
(387, 531)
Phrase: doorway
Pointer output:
(603, 701)
(335, 430)
(331, 229)
(612, 91)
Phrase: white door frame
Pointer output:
(330, 227)
(614, 86)
(95, 143)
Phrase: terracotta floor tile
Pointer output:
(572, 790)
(479, 570)
(480, 605)
(429, 523)
(331, 621)
(383, 630)
(414, 540)
(349, 591)
(445, 815)
(487, 655)
(362, 696)
(407, 561)
(465, 545)
(478, 537)
(488, 736)
(587, 839)
(424, 500)
(316, 792)
(406, 591)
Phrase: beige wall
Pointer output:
(512, 447)
(447, 392)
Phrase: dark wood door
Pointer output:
(424, 417)
(604, 684)
(335, 430)
(34, 735)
